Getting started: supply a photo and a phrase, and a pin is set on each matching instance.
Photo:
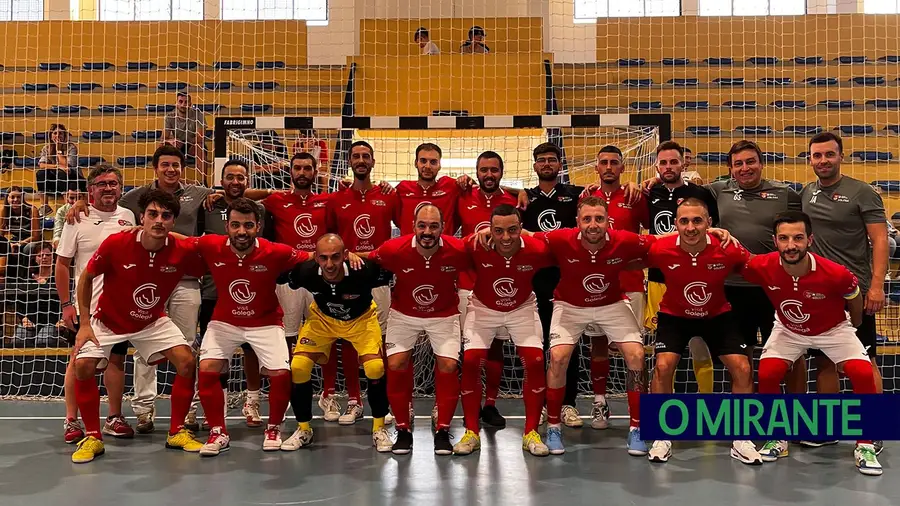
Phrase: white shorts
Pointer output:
(839, 344)
(403, 331)
(150, 342)
(615, 321)
(295, 305)
(637, 301)
(484, 324)
(465, 299)
(382, 298)
(268, 343)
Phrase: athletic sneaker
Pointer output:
(382, 441)
(216, 443)
(183, 440)
(434, 417)
(389, 418)
(570, 417)
(190, 422)
(818, 443)
(468, 444)
(492, 418)
(117, 427)
(533, 444)
(554, 441)
(636, 446)
(543, 419)
(353, 413)
(88, 449)
(866, 460)
(442, 444)
(272, 439)
(774, 450)
(331, 408)
(403, 444)
(599, 416)
(299, 439)
(745, 452)
(72, 431)
(879, 446)
(412, 415)
(145, 422)
(660, 451)
(251, 414)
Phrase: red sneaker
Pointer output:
(117, 427)
(73, 431)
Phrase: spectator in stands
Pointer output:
(19, 225)
(425, 44)
(185, 128)
(270, 159)
(59, 170)
(689, 174)
(475, 44)
(71, 198)
(7, 157)
(37, 307)
(309, 142)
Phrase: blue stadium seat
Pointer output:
(208, 134)
(695, 105)
(277, 64)
(631, 62)
(140, 65)
(114, 109)
(837, 104)
(776, 81)
(893, 58)
(89, 161)
(713, 157)
(719, 61)
(645, 106)
(873, 156)
(183, 65)
(809, 60)
(159, 108)
(896, 216)
(128, 188)
(856, 129)
(83, 86)
(67, 109)
(209, 108)
(634, 83)
(763, 60)
(38, 87)
(217, 86)
(772, 156)
(740, 104)
(147, 135)
(133, 161)
(684, 81)
(7, 137)
(755, 130)
(894, 129)
(794, 186)
(879, 103)
(868, 81)
(803, 130)
(803, 155)
(887, 185)
(177, 86)
(40, 136)
(28, 162)
(704, 130)
(100, 65)
(262, 85)
(821, 81)
(98, 135)
(128, 86)
(227, 65)
(848, 60)
(53, 66)
(255, 108)
(729, 81)
(19, 109)
(48, 223)
(789, 104)
(676, 61)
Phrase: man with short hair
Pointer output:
(475, 42)
(443, 191)
(426, 46)
(185, 128)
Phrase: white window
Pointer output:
(150, 10)
(881, 7)
(593, 9)
(752, 7)
(21, 10)
(310, 10)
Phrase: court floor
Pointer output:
(342, 468)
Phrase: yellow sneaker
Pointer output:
(87, 450)
(533, 444)
(470, 442)
(184, 440)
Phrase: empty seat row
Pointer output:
(164, 86)
(175, 65)
(123, 108)
(864, 156)
(762, 60)
(778, 104)
(767, 81)
(93, 135)
(32, 162)
(846, 130)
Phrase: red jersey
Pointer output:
(695, 284)
(137, 283)
(622, 216)
(443, 193)
(299, 221)
(245, 285)
(425, 287)
(362, 219)
(475, 208)
(811, 304)
(592, 279)
(504, 284)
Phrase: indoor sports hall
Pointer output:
(109, 81)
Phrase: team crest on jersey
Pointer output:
(813, 295)
(424, 295)
(125, 223)
(664, 222)
(168, 268)
(715, 267)
(837, 197)
(547, 220)
(258, 268)
(768, 196)
(793, 311)
(303, 225)
(145, 296)
(679, 201)
(185, 198)
(524, 268)
(307, 341)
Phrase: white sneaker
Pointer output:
(774, 450)
(353, 413)
(272, 439)
(382, 441)
(216, 443)
(331, 408)
(299, 439)
(570, 417)
(866, 460)
(745, 452)
(660, 451)
(251, 414)
(600, 416)
(434, 417)
(389, 418)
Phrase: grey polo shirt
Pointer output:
(213, 222)
(839, 215)
(748, 214)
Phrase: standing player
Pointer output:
(245, 269)
(810, 293)
(501, 299)
(427, 266)
(79, 241)
(140, 270)
(343, 308)
(694, 304)
(428, 189)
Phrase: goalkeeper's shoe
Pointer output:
(217, 443)
(88, 449)
(74, 432)
(866, 460)
(183, 440)
(469, 443)
(353, 413)
(533, 444)
(299, 439)
(774, 450)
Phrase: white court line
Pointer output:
(418, 417)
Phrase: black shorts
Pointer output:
(720, 333)
(118, 349)
(753, 313)
(866, 334)
(207, 306)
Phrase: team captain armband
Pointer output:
(853, 294)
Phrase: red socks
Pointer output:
(634, 408)
(554, 404)
(212, 399)
(861, 377)
(329, 372)
(399, 392)
(446, 391)
(535, 387)
(493, 372)
(599, 373)
(182, 395)
(351, 371)
(473, 361)
(771, 372)
(279, 396)
(87, 395)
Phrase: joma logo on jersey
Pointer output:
(240, 292)
(304, 226)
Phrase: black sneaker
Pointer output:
(818, 443)
(491, 417)
(442, 444)
(403, 445)
(879, 446)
